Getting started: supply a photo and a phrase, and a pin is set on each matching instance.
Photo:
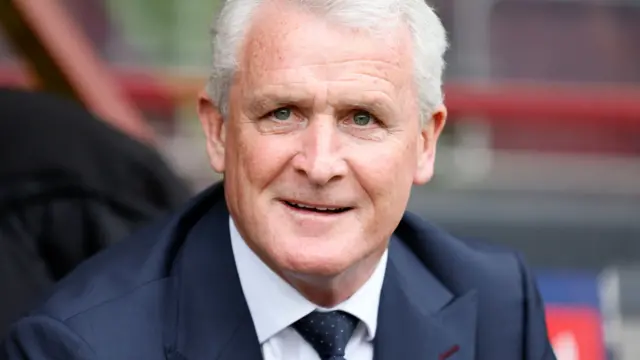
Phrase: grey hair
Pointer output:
(427, 32)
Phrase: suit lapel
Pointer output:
(419, 318)
(208, 318)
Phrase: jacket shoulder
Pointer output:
(510, 311)
(135, 268)
(119, 271)
(111, 298)
(496, 272)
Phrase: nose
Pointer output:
(319, 157)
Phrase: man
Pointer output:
(321, 115)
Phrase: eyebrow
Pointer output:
(277, 96)
(373, 101)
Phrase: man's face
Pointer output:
(322, 143)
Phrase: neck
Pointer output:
(329, 291)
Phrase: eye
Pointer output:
(282, 114)
(362, 118)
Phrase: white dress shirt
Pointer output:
(275, 306)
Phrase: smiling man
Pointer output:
(321, 115)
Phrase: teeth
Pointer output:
(301, 206)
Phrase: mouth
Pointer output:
(317, 209)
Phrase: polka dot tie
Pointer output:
(327, 332)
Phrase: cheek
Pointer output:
(389, 167)
(257, 158)
(387, 177)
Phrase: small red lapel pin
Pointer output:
(447, 354)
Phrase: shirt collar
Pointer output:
(275, 305)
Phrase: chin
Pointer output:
(317, 264)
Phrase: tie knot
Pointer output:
(328, 332)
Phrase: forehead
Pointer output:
(288, 44)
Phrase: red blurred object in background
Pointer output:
(575, 333)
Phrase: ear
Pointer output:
(214, 129)
(426, 148)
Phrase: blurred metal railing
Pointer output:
(62, 60)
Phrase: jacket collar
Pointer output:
(208, 317)
(419, 317)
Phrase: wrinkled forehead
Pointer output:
(287, 38)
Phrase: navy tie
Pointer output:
(328, 332)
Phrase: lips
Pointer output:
(321, 209)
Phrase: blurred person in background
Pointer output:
(321, 115)
(70, 185)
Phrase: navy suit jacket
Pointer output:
(172, 292)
